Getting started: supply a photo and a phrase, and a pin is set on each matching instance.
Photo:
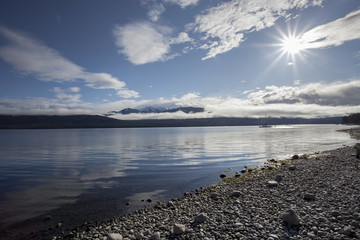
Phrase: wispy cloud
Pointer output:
(312, 100)
(31, 56)
(155, 11)
(224, 27)
(183, 3)
(67, 95)
(144, 42)
(334, 33)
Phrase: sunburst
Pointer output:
(292, 45)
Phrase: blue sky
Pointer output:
(235, 58)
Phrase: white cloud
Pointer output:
(183, 3)
(103, 81)
(64, 96)
(335, 94)
(31, 56)
(74, 89)
(155, 12)
(181, 38)
(144, 42)
(224, 26)
(141, 43)
(333, 33)
(156, 7)
(125, 93)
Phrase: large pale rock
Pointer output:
(114, 236)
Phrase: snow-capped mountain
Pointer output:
(151, 109)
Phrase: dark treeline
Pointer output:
(95, 121)
(352, 119)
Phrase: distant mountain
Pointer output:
(150, 109)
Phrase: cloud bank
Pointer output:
(308, 101)
(334, 33)
(30, 56)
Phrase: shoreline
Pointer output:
(312, 197)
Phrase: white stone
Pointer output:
(272, 184)
(114, 236)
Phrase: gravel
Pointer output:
(315, 197)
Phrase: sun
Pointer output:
(292, 45)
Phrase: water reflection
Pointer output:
(41, 170)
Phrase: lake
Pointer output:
(70, 176)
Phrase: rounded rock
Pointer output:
(291, 218)
(114, 236)
(202, 217)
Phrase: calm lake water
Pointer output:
(76, 175)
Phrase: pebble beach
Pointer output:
(315, 196)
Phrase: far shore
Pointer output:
(311, 196)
